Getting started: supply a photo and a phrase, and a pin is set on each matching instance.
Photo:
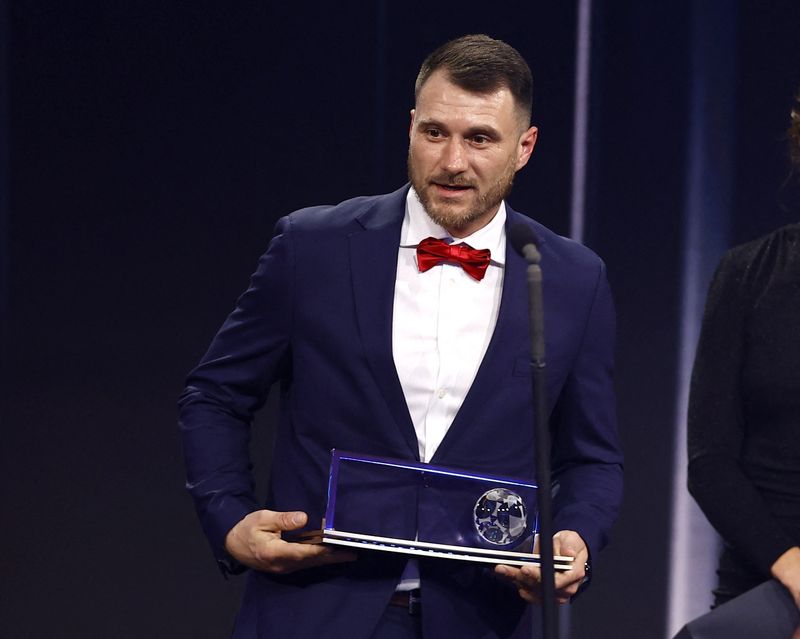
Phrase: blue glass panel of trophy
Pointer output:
(402, 500)
(371, 498)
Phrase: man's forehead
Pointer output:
(442, 89)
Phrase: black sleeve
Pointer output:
(717, 428)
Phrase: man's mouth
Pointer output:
(452, 188)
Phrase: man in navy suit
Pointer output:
(385, 341)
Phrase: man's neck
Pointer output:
(471, 227)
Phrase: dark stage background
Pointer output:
(146, 151)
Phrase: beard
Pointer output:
(454, 216)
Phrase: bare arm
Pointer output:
(786, 569)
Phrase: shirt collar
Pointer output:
(417, 225)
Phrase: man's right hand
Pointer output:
(256, 542)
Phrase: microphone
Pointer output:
(523, 239)
(525, 242)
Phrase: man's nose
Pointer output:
(455, 157)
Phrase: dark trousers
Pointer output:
(396, 623)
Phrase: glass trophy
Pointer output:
(420, 509)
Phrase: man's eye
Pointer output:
(434, 133)
(480, 139)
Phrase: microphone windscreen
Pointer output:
(520, 236)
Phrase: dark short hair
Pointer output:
(480, 64)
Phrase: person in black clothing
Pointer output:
(744, 409)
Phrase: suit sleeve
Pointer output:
(716, 426)
(249, 353)
(587, 459)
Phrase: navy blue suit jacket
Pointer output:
(317, 319)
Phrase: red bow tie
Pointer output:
(431, 252)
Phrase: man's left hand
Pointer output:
(528, 579)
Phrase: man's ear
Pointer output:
(525, 146)
(411, 123)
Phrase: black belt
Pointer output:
(409, 599)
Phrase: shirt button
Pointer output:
(442, 392)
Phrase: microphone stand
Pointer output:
(542, 430)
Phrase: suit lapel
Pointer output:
(373, 262)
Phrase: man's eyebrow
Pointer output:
(430, 122)
(485, 129)
(480, 129)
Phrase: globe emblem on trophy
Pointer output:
(500, 516)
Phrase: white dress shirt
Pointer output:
(441, 326)
(442, 323)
